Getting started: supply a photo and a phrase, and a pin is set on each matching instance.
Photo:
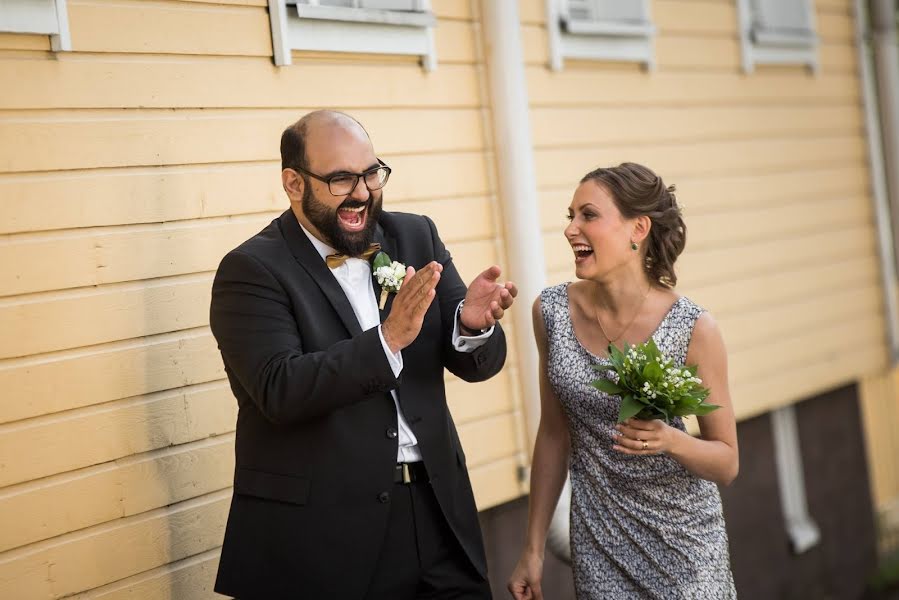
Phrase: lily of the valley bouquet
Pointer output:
(390, 275)
(650, 386)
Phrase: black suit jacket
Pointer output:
(316, 444)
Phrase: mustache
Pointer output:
(353, 204)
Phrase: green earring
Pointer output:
(634, 246)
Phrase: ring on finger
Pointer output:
(645, 444)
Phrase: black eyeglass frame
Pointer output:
(358, 176)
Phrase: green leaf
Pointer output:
(629, 407)
(602, 368)
(704, 409)
(381, 260)
(604, 385)
(616, 357)
(652, 371)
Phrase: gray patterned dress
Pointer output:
(641, 526)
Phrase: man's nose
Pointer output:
(360, 192)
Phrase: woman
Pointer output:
(646, 518)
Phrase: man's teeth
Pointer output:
(355, 210)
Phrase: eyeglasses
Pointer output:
(343, 184)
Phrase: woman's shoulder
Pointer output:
(684, 307)
(705, 330)
(554, 294)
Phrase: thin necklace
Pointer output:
(629, 323)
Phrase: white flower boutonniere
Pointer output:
(390, 275)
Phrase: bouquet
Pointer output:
(650, 387)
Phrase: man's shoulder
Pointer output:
(263, 246)
(408, 226)
(400, 221)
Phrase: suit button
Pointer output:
(391, 433)
(384, 497)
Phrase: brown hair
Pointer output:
(637, 191)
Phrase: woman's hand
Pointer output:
(644, 437)
(524, 584)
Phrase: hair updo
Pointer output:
(637, 191)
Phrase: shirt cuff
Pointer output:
(395, 360)
(466, 343)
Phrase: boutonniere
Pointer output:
(390, 275)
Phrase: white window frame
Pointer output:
(43, 17)
(599, 40)
(306, 25)
(764, 47)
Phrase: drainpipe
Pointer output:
(517, 185)
(877, 168)
(886, 65)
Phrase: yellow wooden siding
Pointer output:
(119, 193)
(105, 372)
(126, 81)
(24, 41)
(880, 413)
(177, 28)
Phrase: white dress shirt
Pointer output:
(354, 277)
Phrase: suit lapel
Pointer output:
(388, 245)
(309, 258)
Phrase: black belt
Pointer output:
(410, 473)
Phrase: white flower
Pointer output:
(390, 277)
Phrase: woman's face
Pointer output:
(599, 235)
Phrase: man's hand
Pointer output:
(486, 300)
(407, 313)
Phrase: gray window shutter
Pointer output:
(405, 5)
(626, 11)
(580, 10)
(782, 16)
(401, 5)
(615, 11)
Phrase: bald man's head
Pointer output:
(295, 139)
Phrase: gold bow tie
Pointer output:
(336, 260)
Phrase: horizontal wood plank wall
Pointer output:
(771, 169)
(880, 412)
(127, 169)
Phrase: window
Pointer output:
(777, 32)
(363, 26)
(619, 30)
(46, 17)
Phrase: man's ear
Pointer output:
(293, 184)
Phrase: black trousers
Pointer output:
(421, 558)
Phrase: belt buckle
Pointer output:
(407, 476)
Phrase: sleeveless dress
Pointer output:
(641, 526)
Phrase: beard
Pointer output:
(351, 243)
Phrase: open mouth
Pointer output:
(581, 252)
(353, 218)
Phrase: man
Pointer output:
(350, 481)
